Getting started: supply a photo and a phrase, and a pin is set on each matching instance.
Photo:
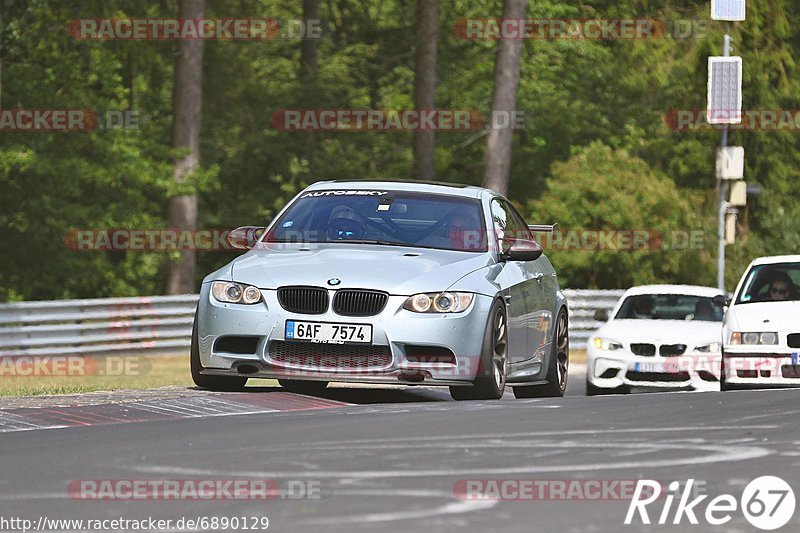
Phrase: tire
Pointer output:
(491, 380)
(303, 387)
(216, 383)
(724, 385)
(592, 390)
(558, 369)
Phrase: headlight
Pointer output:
(439, 302)
(708, 348)
(606, 344)
(235, 293)
(751, 337)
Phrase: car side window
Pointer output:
(508, 224)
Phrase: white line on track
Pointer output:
(715, 454)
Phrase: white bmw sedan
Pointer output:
(762, 326)
(665, 336)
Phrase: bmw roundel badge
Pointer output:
(334, 281)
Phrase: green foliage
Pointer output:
(599, 189)
(594, 152)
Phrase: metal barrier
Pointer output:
(582, 306)
(156, 324)
(163, 324)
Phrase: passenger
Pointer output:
(704, 310)
(464, 232)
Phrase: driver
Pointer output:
(345, 225)
(781, 288)
(643, 307)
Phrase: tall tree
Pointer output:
(425, 86)
(504, 99)
(187, 98)
(308, 75)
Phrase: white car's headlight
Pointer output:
(708, 348)
(754, 337)
(235, 293)
(439, 302)
(606, 344)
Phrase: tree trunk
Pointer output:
(425, 86)
(187, 102)
(308, 78)
(504, 100)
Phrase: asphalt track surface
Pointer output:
(393, 459)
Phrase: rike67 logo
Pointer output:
(767, 503)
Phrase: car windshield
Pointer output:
(771, 283)
(383, 217)
(670, 307)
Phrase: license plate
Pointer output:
(656, 366)
(328, 332)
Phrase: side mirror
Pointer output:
(522, 250)
(720, 300)
(601, 315)
(245, 237)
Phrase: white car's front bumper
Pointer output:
(618, 368)
(762, 365)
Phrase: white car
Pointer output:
(665, 336)
(761, 333)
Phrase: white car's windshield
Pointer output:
(669, 307)
(383, 217)
(771, 283)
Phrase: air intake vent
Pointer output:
(359, 302)
(303, 300)
(330, 356)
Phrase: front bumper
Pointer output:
(770, 365)
(395, 332)
(618, 368)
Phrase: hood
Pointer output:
(396, 270)
(765, 316)
(687, 332)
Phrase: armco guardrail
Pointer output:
(163, 324)
(582, 306)
(156, 324)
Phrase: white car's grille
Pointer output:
(664, 350)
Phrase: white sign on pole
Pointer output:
(730, 228)
(724, 90)
(728, 10)
(738, 194)
(730, 163)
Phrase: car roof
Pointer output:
(692, 290)
(432, 187)
(772, 259)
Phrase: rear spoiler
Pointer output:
(543, 228)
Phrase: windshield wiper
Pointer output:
(371, 241)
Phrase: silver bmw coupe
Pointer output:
(404, 283)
